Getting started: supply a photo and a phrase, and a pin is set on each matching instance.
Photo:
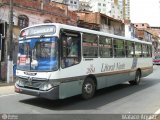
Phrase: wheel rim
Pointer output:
(88, 88)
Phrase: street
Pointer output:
(119, 99)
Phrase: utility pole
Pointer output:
(10, 46)
(11, 31)
(124, 9)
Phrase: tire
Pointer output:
(137, 79)
(88, 88)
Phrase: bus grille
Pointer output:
(33, 84)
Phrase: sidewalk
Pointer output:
(6, 88)
(158, 117)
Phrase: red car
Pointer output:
(156, 60)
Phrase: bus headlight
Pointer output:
(20, 83)
(46, 86)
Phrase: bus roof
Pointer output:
(75, 28)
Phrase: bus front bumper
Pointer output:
(51, 94)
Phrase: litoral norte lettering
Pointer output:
(120, 66)
(106, 67)
(115, 66)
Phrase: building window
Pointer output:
(23, 21)
(99, 4)
(104, 10)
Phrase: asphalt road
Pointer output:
(120, 99)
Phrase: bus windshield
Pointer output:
(38, 54)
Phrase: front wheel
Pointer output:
(137, 79)
(88, 88)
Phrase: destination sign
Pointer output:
(38, 30)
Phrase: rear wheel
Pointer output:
(137, 79)
(88, 88)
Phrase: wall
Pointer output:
(128, 31)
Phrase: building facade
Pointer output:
(84, 6)
(72, 4)
(118, 9)
(102, 6)
(115, 10)
(124, 8)
(100, 22)
(144, 32)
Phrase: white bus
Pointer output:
(57, 61)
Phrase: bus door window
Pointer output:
(70, 48)
(73, 48)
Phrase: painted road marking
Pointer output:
(157, 112)
(154, 116)
(8, 95)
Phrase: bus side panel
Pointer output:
(102, 82)
(146, 72)
(69, 89)
(111, 80)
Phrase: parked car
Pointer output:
(156, 60)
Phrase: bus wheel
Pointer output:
(137, 78)
(88, 88)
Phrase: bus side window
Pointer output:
(138, 50)
(105, 47)
(90, 45)
(149, 50)
(145, 50)
(129, 48)
(70, 48)
(119, 48)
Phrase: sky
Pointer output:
(145, 11)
